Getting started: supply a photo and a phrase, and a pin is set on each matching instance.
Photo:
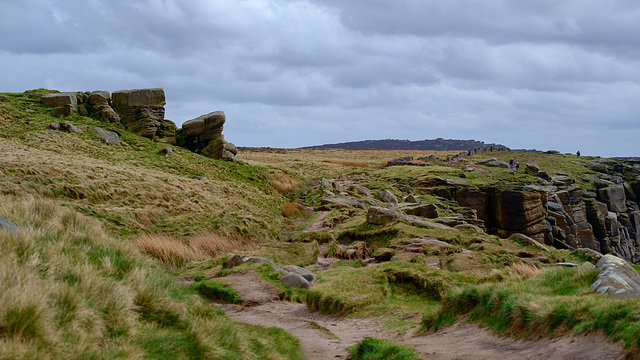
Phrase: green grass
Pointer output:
(557, 300)
(376, 349)
(217, 291)
(70, 290)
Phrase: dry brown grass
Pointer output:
(291, 210)
(177, 253)
(283, 183)
(311, 164)
(526, 269)
(345, 162)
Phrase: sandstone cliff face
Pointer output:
(606, 220)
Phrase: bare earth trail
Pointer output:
(327, 337)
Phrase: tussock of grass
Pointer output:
(525, 269)
(375, 349)
(177, 253)
(351, 163)
(291, 210)
(68, 290)
(283, 183)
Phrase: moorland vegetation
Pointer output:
(109, 235)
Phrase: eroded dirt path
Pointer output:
(327, 337)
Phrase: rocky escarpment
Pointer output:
(142, 111)
(605, 219)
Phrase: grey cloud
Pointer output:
(544, 74)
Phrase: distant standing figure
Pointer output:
(511, 163)
(517, 165)
(578, 153)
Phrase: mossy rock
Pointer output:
(384, 254)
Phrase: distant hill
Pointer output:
(393, 144)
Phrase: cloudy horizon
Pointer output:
(547, 75)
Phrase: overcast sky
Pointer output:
(544, 74)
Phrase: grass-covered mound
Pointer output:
(134, 189)
(71, 291)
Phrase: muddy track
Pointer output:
(327, 337)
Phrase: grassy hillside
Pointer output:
(78, 281)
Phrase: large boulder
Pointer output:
(381, 216)
(617, 278)
(300, 271)
(420, 209)
(141, 110)
(107, 136)
(387, 196)
(295, 281)
(60, 99)
(204, 134)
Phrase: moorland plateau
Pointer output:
(119, 239)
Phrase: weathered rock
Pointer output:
(300, 271)
(425, 210)
(166, 132)
(411, 199)
(339, 200)
(617, 278)
(99, 102)
(614, 197)
(475, 199)
(599, 167)
(295, 281)
(138, 97)
(527, 240)
(381, 216)
(64, 110)
(384, 254)
(562, 180)
(3, 97)
(108, 137)
(359, 189)
(484, 161)
(60, 99)
(496, 163)
(236, 260)
(228, 156)
(517, 210)
(70, 128)
(140, 110)
(387, 197)
(6, 225)
(231, 148)
(457, 182)
(430, 181)
(531, 169)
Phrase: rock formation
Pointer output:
(563, 215)
(140, 110)
(204, 134)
